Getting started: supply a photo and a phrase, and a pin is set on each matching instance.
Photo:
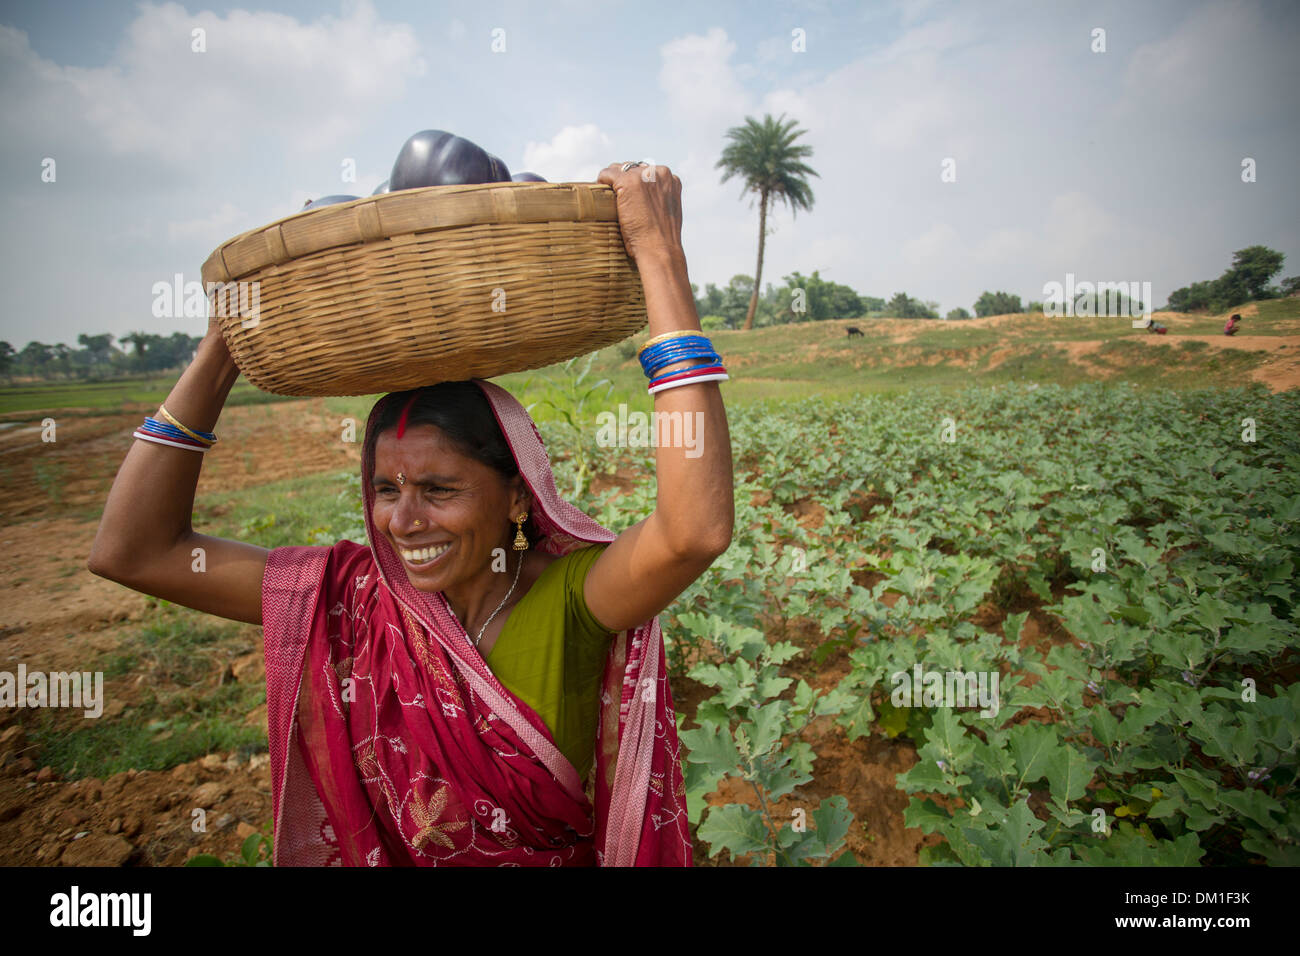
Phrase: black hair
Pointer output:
(461, 412)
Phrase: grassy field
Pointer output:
(71, 399)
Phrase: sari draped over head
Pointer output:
(393, 744)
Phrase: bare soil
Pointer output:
(57, 616)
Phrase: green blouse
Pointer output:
(551, 654)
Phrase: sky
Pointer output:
(959, 146)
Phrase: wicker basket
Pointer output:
(426, 285)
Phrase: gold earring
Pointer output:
(521, 543)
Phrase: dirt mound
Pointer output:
(1279, 371)
(134, 818)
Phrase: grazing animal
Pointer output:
(854, 330)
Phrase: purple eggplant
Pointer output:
(434, 157)
(527, 178)
(328, 201)
(500, 172)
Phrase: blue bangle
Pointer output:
(708, 358)
(170, 429)
(208, 435)
(654, 354)
(658, 356)
(166, 429)
(162, 428)
(163, 433)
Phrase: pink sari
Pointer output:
(393, 744)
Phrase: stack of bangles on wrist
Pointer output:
(172, 432)
(684, 346)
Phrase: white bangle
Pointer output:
(163, 441)
(715, 377)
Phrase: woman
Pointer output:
(1234, 322)
(431, 696)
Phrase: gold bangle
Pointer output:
(666, 336)
(162, 410)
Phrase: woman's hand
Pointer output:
(649, 209)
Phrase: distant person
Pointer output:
(1234, 322)
(1155, 327)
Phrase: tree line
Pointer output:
(812, 298)
(801, 299)
(1246, 280)
(99, 357)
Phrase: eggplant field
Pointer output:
(1027, 624)
(1072, 611)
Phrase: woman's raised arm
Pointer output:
(145, 539)
(652, 562)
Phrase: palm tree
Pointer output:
(762, 153)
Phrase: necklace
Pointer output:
(503, 602)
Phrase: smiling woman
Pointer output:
(484, 682)
(487, 607)
(444, 484)
(453, 672)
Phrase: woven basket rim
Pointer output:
(361, 220)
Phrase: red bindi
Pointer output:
(401, 422)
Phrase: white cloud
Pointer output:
(775, 49)
(574, 154)
(159, 99)
(927, 40)
(704, 95)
